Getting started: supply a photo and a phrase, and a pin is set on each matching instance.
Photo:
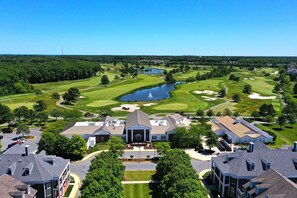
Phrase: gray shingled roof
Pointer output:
(138, 117)
(42, 170)
(276, 185)
(11, 186)
(282, 160)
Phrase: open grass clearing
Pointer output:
(138, 175)
(285, 136)
(136, 191)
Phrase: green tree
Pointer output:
(71, 95)
(104, 80)
(281, 120)
(56, 113)
(291, 119)
(236, 98)
(209, 113)
(236, 114)
(42, 117)
(222, 93)
(211, 140)
(39, 106)
(227, 112)
(71, 114)
(105, 112)
(255, 114)
(162, 147)
(31, 115)
(268, 119)
(77, 147)
(22, 128)
(21, 112)
(55, 95)
(5, 114)
(116, 145)
(48, 143)
(200, 113)
(295, 89)
(247, 88)
(169, 78)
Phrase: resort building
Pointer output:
(270, 184)
(238, 130)
(48, 174)
(10, 187)
(230, 172)
(136, 128)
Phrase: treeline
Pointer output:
(215, 72)
(56, 144)
(104, 177)
(177, 177)
(16, 75)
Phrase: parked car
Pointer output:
(7, 130)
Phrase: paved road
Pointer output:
(81, 168)
(8, 139)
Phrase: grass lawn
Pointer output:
(138, 175)
(285, 136)
(68, 191)
(136, 191)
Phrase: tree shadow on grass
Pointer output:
(154, 189)
(277, 129)
(289, 127)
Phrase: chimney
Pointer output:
(295, 147)
(251, 147)
(27, 152)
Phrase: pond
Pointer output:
(159, 92)
(151, 71)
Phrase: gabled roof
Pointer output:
(10, 186)
(282, 160)
(273, 184)
(138, 117)
(41, 169)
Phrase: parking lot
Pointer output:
(8, 138)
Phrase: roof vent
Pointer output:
(251, 147)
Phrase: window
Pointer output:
(163, 137)
(154, 137)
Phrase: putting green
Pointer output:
(101, 103)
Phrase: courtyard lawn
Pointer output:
(285, 136)
(138, 175)
(136, 191)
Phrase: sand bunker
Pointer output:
(208, 98)
(149, 104)
(126, 107)
(276, 72)
(259, 97)
(248, 79)
(208, 92)
(82, 97)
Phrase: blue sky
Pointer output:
(152, 27)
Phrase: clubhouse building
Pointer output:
(238, 130)
(136, 128)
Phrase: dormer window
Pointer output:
(266, 164)
(250, 165)
(27, 171)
